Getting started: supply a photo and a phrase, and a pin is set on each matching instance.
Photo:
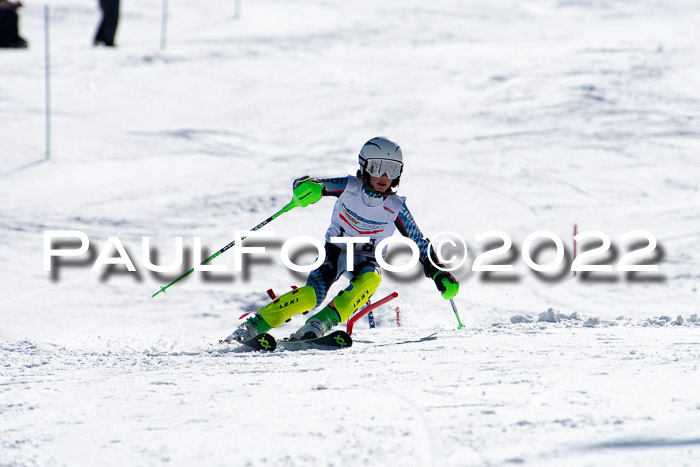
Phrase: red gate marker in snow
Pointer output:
(367, 309)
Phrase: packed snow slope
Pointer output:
(512, 116)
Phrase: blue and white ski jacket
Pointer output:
(358, 213)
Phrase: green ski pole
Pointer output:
(454, 308)
(307, 193)
(451, 288)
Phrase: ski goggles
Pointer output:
(378, 167)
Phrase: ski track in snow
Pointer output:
(478, 396)
(534, 115)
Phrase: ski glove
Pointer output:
(447, 284)
(300, 180)
(307, 190)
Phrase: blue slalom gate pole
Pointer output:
(47, 79)
(164, 25)
(370, 318)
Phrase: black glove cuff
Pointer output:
(428, 267)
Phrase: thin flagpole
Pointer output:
(47, 79)
(575, 233)
(164, 25)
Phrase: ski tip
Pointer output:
(262, 341)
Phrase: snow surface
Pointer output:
(515, 116)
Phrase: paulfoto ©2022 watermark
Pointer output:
(450, 249)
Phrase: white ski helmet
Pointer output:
(380, 156)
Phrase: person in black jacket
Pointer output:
(108, 26)
(9, 29)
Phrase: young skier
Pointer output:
(367, 207)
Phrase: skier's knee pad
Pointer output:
(350, 300)
(292, 303)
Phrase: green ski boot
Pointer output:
(276, 313)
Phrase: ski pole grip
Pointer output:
(307, 193)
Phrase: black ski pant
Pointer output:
(108, 26)
(9, 33)
(333, 267)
